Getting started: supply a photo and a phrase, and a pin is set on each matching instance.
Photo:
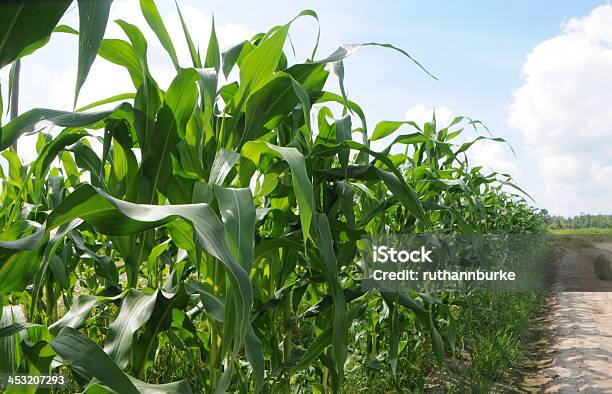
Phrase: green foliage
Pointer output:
(581, 223)
(93, 17)
(492, 327)
(26, 26)
(223, 223)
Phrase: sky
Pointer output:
(538, 74)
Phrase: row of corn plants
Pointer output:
(220, 220)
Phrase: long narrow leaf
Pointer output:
(93, 17)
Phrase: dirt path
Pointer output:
(580, 357)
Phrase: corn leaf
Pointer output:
(93, 16)
(75, 347)
(23, 23)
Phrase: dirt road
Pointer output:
(581, 325)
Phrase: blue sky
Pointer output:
(478, 50)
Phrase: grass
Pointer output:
(583, 231)
(491, 326)
(493, 329)
(583, 237)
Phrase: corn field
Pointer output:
(218, 226)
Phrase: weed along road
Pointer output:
(581, 325)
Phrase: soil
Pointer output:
(573, 348)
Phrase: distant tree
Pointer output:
(583, 220)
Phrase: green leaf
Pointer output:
(302, 186)
(230, 56)
(193, 52)
(302, 94)
(17, 270)
(115, 51)
(315, 348)
(260, 63)
(70, 169)
(324, 97)
(346, 50)
(12, 78)
(213, 56)
(316, 17)
(136, 309)
(180, 387)
(29, 122)
(108, 100)
(394, 343)
(343, 133)
(10, 351)
(93, 16)
(122, 54)
(59, 271)
(222, 165)
(268, 105)
(155, 22)
(107, 265)
(238, 215)
(23, 23)
(161, 320)
(87, 159)
(139, 43)
(50, 151)
(78, 313)
(394, 180)
(1, 105)
(83, 353)
(172, 118)
(255, 356)
(15, 328)
(404, 193)
(213, 305)
(438, 343)
(387, 127)
(467, 145)
(15, 168)
(147, 103)
(340, 322)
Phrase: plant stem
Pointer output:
(214, 337)
(15, 95)
(287, 340)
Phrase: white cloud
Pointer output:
(421, 114)
(495, 156)
(563, 112)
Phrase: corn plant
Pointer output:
(222, 221)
